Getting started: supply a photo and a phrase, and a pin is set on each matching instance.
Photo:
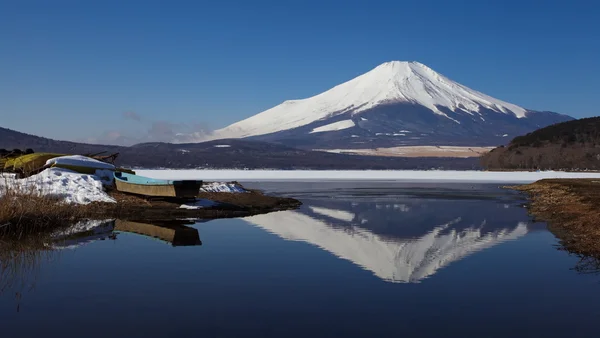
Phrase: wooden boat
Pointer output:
(140, 185)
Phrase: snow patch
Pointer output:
(61, 183)
(340, 125)
(222, 146)
(104, 171)
(362, 175)
(199, 204)
(415, 151)
(222, 187)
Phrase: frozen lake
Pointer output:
(360, 175)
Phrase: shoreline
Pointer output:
(570, 209)
(252, 202)
(32, 214)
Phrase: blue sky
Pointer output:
(91, 69)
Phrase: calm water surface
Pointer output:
(357, 260)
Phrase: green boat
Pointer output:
(146, 186)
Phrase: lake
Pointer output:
(358, 259)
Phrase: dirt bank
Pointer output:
(230, 205)
(571, 207)
(22, 214)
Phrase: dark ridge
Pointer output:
(583, 131)
(571, 145)
(240, 154)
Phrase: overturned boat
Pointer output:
(146, 186)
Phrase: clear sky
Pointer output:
(96, 70)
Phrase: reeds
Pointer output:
(20, 263)
(28, 210)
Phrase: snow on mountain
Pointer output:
(345, 124)
(391, 82)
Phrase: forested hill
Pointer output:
(572, 145)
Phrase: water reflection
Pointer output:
(20, 265)
(82, 233)
(174, 232)
(405, 236)
(587, 265)
(21, 260)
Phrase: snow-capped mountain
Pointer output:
(397, 103)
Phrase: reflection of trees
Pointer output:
(587, 265)
(20, 263)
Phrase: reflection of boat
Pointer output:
(140, 185)
(173, 232)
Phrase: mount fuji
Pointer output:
(396, 104)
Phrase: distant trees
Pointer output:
(572, 145)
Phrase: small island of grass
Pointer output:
(570, 207)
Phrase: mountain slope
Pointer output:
(569, 145)
(397, 103)
(11, 139)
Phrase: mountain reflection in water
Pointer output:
(404, 236)
(370, 259)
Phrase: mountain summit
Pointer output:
(397, 103)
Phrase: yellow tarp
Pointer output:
(29, 162)
(8, 162)
(3, 162)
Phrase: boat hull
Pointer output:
(176, 189)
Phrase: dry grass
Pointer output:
(23, 212)
(570, 207)
(31, 211)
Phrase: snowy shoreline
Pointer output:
(364, 175)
